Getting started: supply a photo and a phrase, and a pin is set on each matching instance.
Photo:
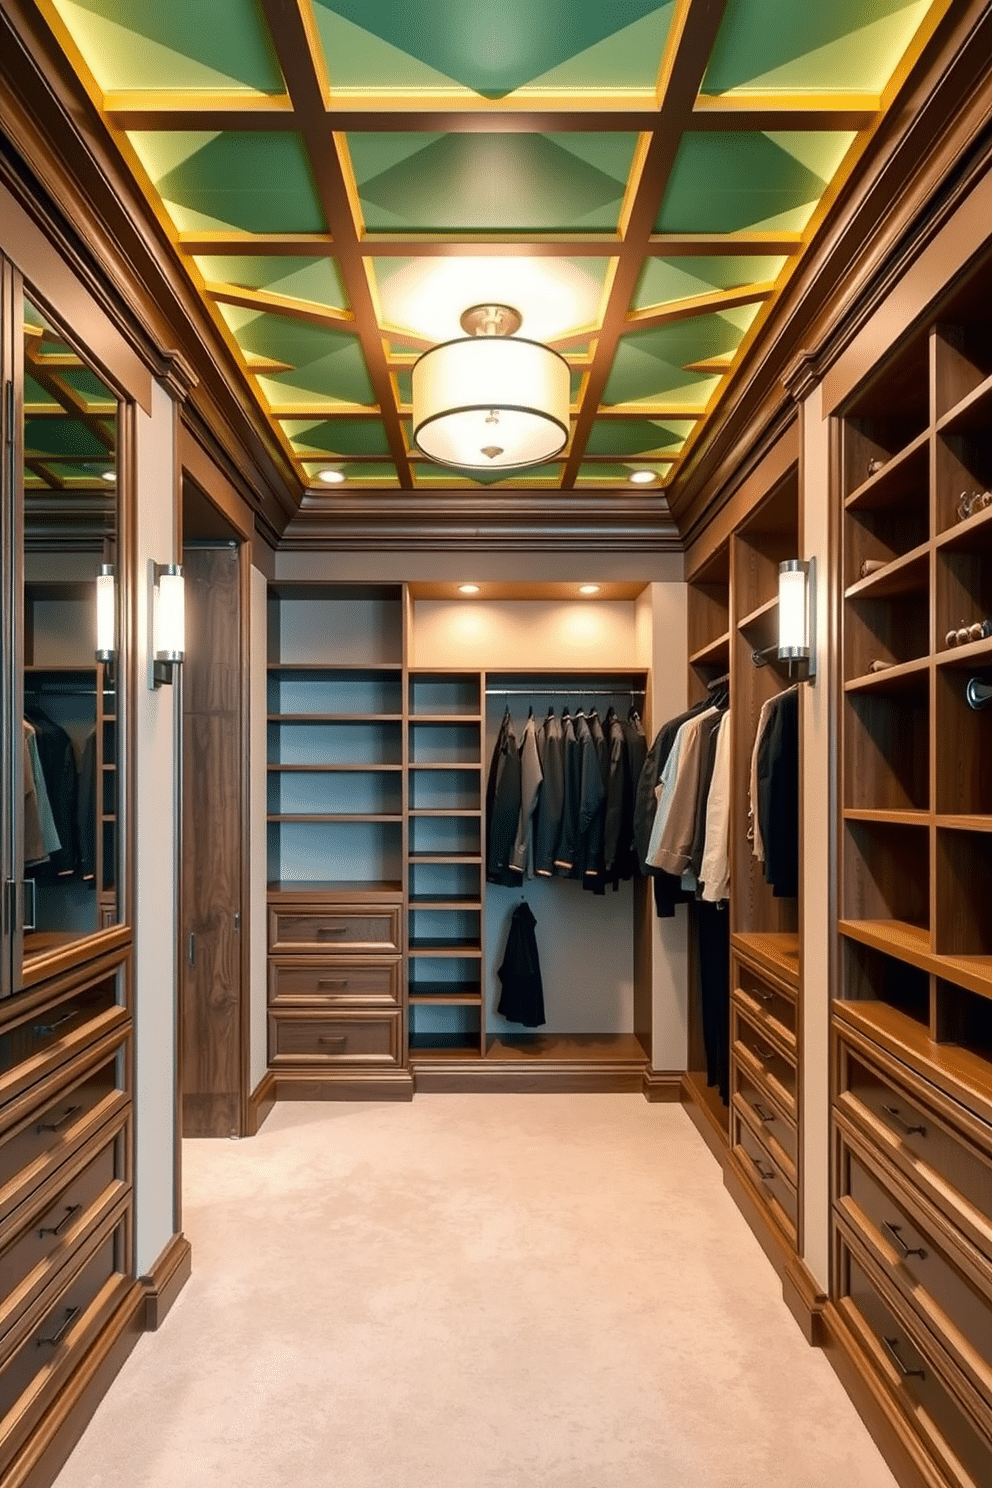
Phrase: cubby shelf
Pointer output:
(716, 653)
(429, 901)
(445, 718)
(445, 999)
(907, 574)
(339, 816)
(911, 943)
(871, 815)
(347, 718)
(975, 653)
(972, 413)
(363, 769)
(467, 768)
(760, 617)
(907, 676)
(430, 811)
(429, 945)
(442, 857)
(903, 472)
(775, 950)
(334, 669)
(972, 532)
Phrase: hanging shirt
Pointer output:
(531, 776)
(714, 870)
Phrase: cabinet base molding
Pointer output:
(260, 1103)
(909, 1463)
(166, 1280)
(662, 1086)
(46, 1451)
(703, 1119)
(547, 1077)
(356, 1086)
(804, 1299)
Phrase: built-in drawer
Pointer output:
(756, 1051)
(337, 983)
(371, 1038)
(767, 1004)
(767, 1176)
(778, 1132)
(38, 1040)
(52, 1344)
(42, 1136)
(955, 1300)
(908, 1360)
(60, 1215)
(949, 1168)
(359, 927)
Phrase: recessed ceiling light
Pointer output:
(468, 588)
(588, 588)
(109, 476)
(331, 477)
(642, 477)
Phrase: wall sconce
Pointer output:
(106, 613)
(167, 610)
(796, 618)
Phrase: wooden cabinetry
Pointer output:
(912, 1117)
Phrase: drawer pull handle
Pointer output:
(332, 982)
(63, 1120)
(337, 1042)
(327, 932)
(761, 995)
(763, 1051)
(44, 1028)
(902, 1123)
(892, 1345)
(71, 1313)
(765, 1177)
(57, 1230)
(904, 1249)
(763, 1115)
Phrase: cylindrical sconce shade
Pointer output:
(793, 611)
(491, 403)
(170, 615)
(106, 613)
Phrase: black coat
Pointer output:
(551, 802)
(58, 765)
(568, 841)
(503, 805)
(668, 889)
(522, 997)
(778, 795)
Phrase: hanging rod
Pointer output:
(566, 692)
(718, 682)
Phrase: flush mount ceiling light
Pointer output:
(642, 477)
(588, 588)
(331, 477)
(468, 588)
(110, 476)
(491, 400)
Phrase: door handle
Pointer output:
(904, 1249)
(191, 953)
(892, 1348)
(902, 1123)
(57, 1230)
(31, 924)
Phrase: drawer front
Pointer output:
(70, 1210)
(778, 1071)
(767, 1003)
(336, 983)
(39, 1040)
(957, 1306)
(956, 1175)
(764, 1113)
(903, 1359)
(767, 1176)
(353, 928)
(357, 1039)
(44, 1138)
(51, 1347)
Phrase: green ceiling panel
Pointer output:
(629, 60)
(638, 436)
(61, 436)
(666, 280)
(339, 436)
(254, 182)
(779, 46)
(649, 365)
(500, 182)
(326, 363)
(315, 280)
(732, 182)
(492, 47)
(148, 44)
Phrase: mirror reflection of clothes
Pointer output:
(40, 835)
(58, 766)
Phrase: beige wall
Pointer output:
(503, 634)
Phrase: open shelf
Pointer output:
(760, 618)
(902, 474)
(715, 654)
(908, 677)
(776, 951)
(907, 574)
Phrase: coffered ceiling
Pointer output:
(342, 178)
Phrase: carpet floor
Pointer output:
(473, 1292)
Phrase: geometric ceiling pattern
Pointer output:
(341, 178)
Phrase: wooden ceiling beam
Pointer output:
(326, 316)
(844, 112)
(724, 245)
(256, 245)
(319, 410)
(490, 245)
(704, 304)
(296, 43)
(693, 34)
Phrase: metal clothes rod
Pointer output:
(570, 692)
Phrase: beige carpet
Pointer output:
(473, 1292)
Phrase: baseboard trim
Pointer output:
(704, 1121)
(460, 1077)
(662, 1086)
(767, 1233)
(47, 1449)
(260, 1103)
(892, 1434)
(305, 1085)
(804, 1299)
(166, 1280)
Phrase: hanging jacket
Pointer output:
(712, 733)
(88, 812)
(568, 843)
(58, 764)
(502, 805)
(778, 796)
(645, 801)
(627, 864)
(530, 789)
(591, 799)
(522, 996)
(551, 801)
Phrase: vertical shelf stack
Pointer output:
(336, 825)
(444, 754)
(764, 960)
(913, 1020)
